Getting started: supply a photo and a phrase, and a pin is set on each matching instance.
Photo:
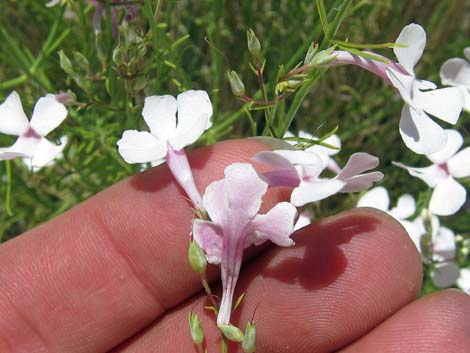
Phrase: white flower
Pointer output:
(323, 152)
(48, 113)
(419, 132)
(442, 248)
(456, 72)
(168, 135)
(448, 195)
(406, 206)
(464, 280)
(194, 113)
(27, 161)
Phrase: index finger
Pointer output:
(92, 277)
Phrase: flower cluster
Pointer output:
(436, 243)
(227, 215)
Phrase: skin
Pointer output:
(111, 275)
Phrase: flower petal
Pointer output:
(404, 84)
(140, 147)
(192, 105)
(430, 175)
(179, 166)
(23, 147)
(186, 136)
(376, 197)
(463, 282)
(13, 120)
(455, 72)
(445, 274)
(454, 142)
(45, 152)
(310, 192)
(361, 182)
(48, 113)
(209, 237)
(273, 159)
(215, 202)
(459, 165)
(444, 103)
(406, 207)
(414, 231)
(244, 189)
(159, 113)
(420, 133)
(284, 173)
(277, 226)
(447, 198)
(413, 37)
(443, 245)
(358, 163)
(305, 218)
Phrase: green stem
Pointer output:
(8, 189)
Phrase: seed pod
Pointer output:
(236, 84)
(195, 328)
(232, 332)
(254, 46)
(197, 258)
(249, 340)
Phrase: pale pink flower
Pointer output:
(168, 135)
(48, 113)
(456, 72)
(232, 205)
(448, 195)
(302, 169)
(418, 131)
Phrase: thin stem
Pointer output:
(8, 189)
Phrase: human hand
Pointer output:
(112, 275)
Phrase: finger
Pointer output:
(433, 324)
(343, 277)
(95, 275)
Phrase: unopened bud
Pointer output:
(81, 60)
(323, 57)
(254, 46)
(197, 258)
(236, 84)
(249, 340)
(195, 328)
(65, 63)
(233, 333)
(66, 98)
(311, 52)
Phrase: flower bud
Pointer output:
(323, 57)
(254, 46)
(197, 258)
(233, 333)
(81, 60)
(66, 98)
(311, 52)
(195, 328)
(65, 63)
(249, 340)
(236, 84)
